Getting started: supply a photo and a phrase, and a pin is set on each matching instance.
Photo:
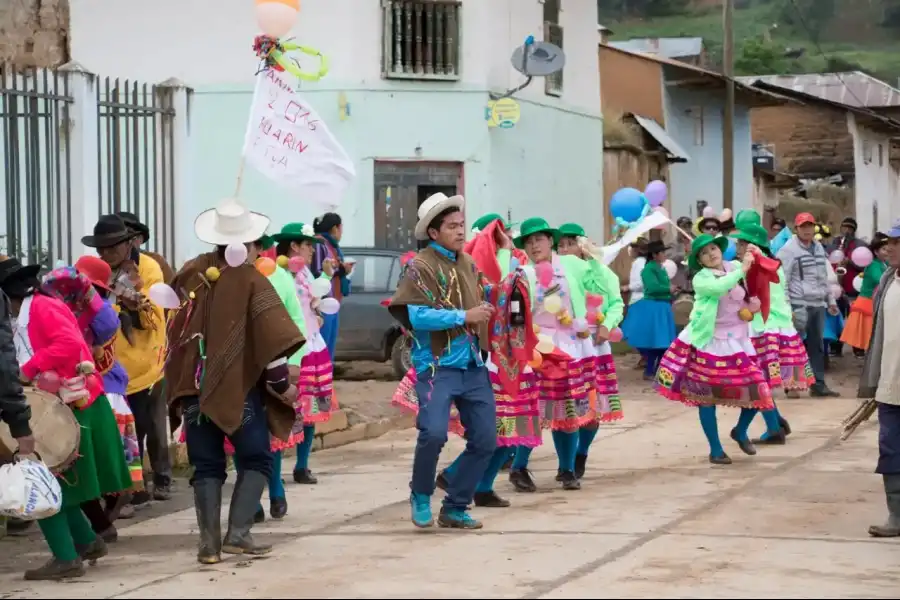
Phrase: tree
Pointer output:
(809, 16)
(759, 57)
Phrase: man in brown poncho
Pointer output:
(227, 367)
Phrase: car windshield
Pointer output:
(374, 273)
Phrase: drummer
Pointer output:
(48, 342)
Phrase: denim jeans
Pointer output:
(815, 341)
(206, 442)
(470, 389)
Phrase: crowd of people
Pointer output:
(511, 334)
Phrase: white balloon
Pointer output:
(857, 283)
(235, 254)
(329, 306)
(671, 268)
(163, 296)
(320, 287)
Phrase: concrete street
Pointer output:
(653, 519)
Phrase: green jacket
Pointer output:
(656, 282)
(583, 277)
(707, 290)
(780, 312)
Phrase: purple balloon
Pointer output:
(656, 193)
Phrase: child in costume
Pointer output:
(713, 362)
(650, 324)
(858, 328)
(606, 396)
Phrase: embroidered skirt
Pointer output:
(766, 346)
(858, 328)
(125, 420)
(315, 387)
(565, 386)
(723, 372)
(796, 373)
(604, 399)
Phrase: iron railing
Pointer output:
(36, 190)
(421, 39)
(135, 139)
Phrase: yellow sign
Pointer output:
(503, 113)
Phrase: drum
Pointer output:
(55, 429)
(682, 307)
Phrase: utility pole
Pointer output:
(728, 124)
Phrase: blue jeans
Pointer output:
(206, 442)
(470, 389)
(815, 341)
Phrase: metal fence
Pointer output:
(135, 139)
(34, 118)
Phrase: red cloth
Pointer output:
(483, 249)
(762, 274)
(270, 253)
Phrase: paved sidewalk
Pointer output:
(653, 519)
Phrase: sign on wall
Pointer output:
(503, 113)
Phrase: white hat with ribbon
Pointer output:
(230, 223)
(432, 207)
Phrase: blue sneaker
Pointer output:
(421, 510)
(457, 519)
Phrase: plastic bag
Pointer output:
(29, 491)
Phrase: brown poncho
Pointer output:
(432, 279)
(244, 326)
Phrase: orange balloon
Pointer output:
(265, 265)
(536, 360)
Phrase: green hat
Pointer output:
(700, 242)
(295, 232)
(753, 234)
(747, 217)
(487, 219)
(532, 226)
(571, 230)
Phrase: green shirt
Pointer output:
(656, 282)
(871, 277)
(780, 312)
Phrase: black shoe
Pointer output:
(490, 500)
(779, 439)
(559, 475)
(442, 482)
(56, 570)
(580, 464)
(96, 549)
(278, 507)
(305, 477)
(822, 391)
(785, 426)
(140, 499)
(260, 516)
(569, 481)
(522, 481)
(745, 445)
(720, 460)
(244, 502)
(208, 505)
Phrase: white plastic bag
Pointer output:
(29, 491)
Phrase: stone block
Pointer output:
(342, 438)
(337, 422)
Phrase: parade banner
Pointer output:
(651, 221)
(290, 144)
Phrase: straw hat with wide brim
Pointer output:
(230, 223)
(431, 208)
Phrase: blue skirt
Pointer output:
(649, 324)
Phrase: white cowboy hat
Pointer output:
(230, 223)
(432, 207)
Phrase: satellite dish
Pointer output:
(534, 59)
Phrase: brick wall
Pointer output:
(34, 33)
(806, 140)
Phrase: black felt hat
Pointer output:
(109, 231)
(134, 222)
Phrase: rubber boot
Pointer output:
(55, 570)
(208, 504)
(892, 493)
(244, 502)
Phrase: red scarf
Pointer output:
(761, 275)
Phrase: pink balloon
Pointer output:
(836, 257)
(235, 254)
(615, 335)
(656, 193)
(48, 381)
(544, 273)
(836, 290)
(163, 296)
(709, 212)
(861, 257)
(296, 264)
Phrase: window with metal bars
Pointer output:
(421, 39)
(553, 33)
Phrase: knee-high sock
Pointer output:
(586, 437)
(59, 538)
(566, 446)
(305, 447)
(711, 429)
(486, 483)
(520, 461)
(276, 486)
(743, 424)
(773, 423)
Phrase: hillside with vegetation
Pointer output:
(774, 36)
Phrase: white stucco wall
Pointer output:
(877, 183)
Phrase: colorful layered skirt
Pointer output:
(315, 387)
(723, 372)
(128, 432)
(796, 373)
(565, 381)
(766, 345)
(858, 328)
(604, 399)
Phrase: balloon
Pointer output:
(296, 264)
(836, 257)
(265, 265)
(671, 268)
(731, 251)
(861, 257)
(544, 272)
(320, 287)
(282, 261)
(593, 301)
(235, 254)
(627, 204)
(656, 193)
(329, 306)
(213, 274)
(726, 214)
(709, 213)
(536, 360)
(163, 296)
(580, 324)
(545, 344)
(857, 281)
(836, 290)
(48, 381)
(552, 304)
(615, 335)
(276, 18)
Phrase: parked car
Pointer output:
(368, 332)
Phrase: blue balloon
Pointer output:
(627, 204)
(731, 251)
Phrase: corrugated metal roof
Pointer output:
(656, 131)
(853, 88)
(679, 47)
